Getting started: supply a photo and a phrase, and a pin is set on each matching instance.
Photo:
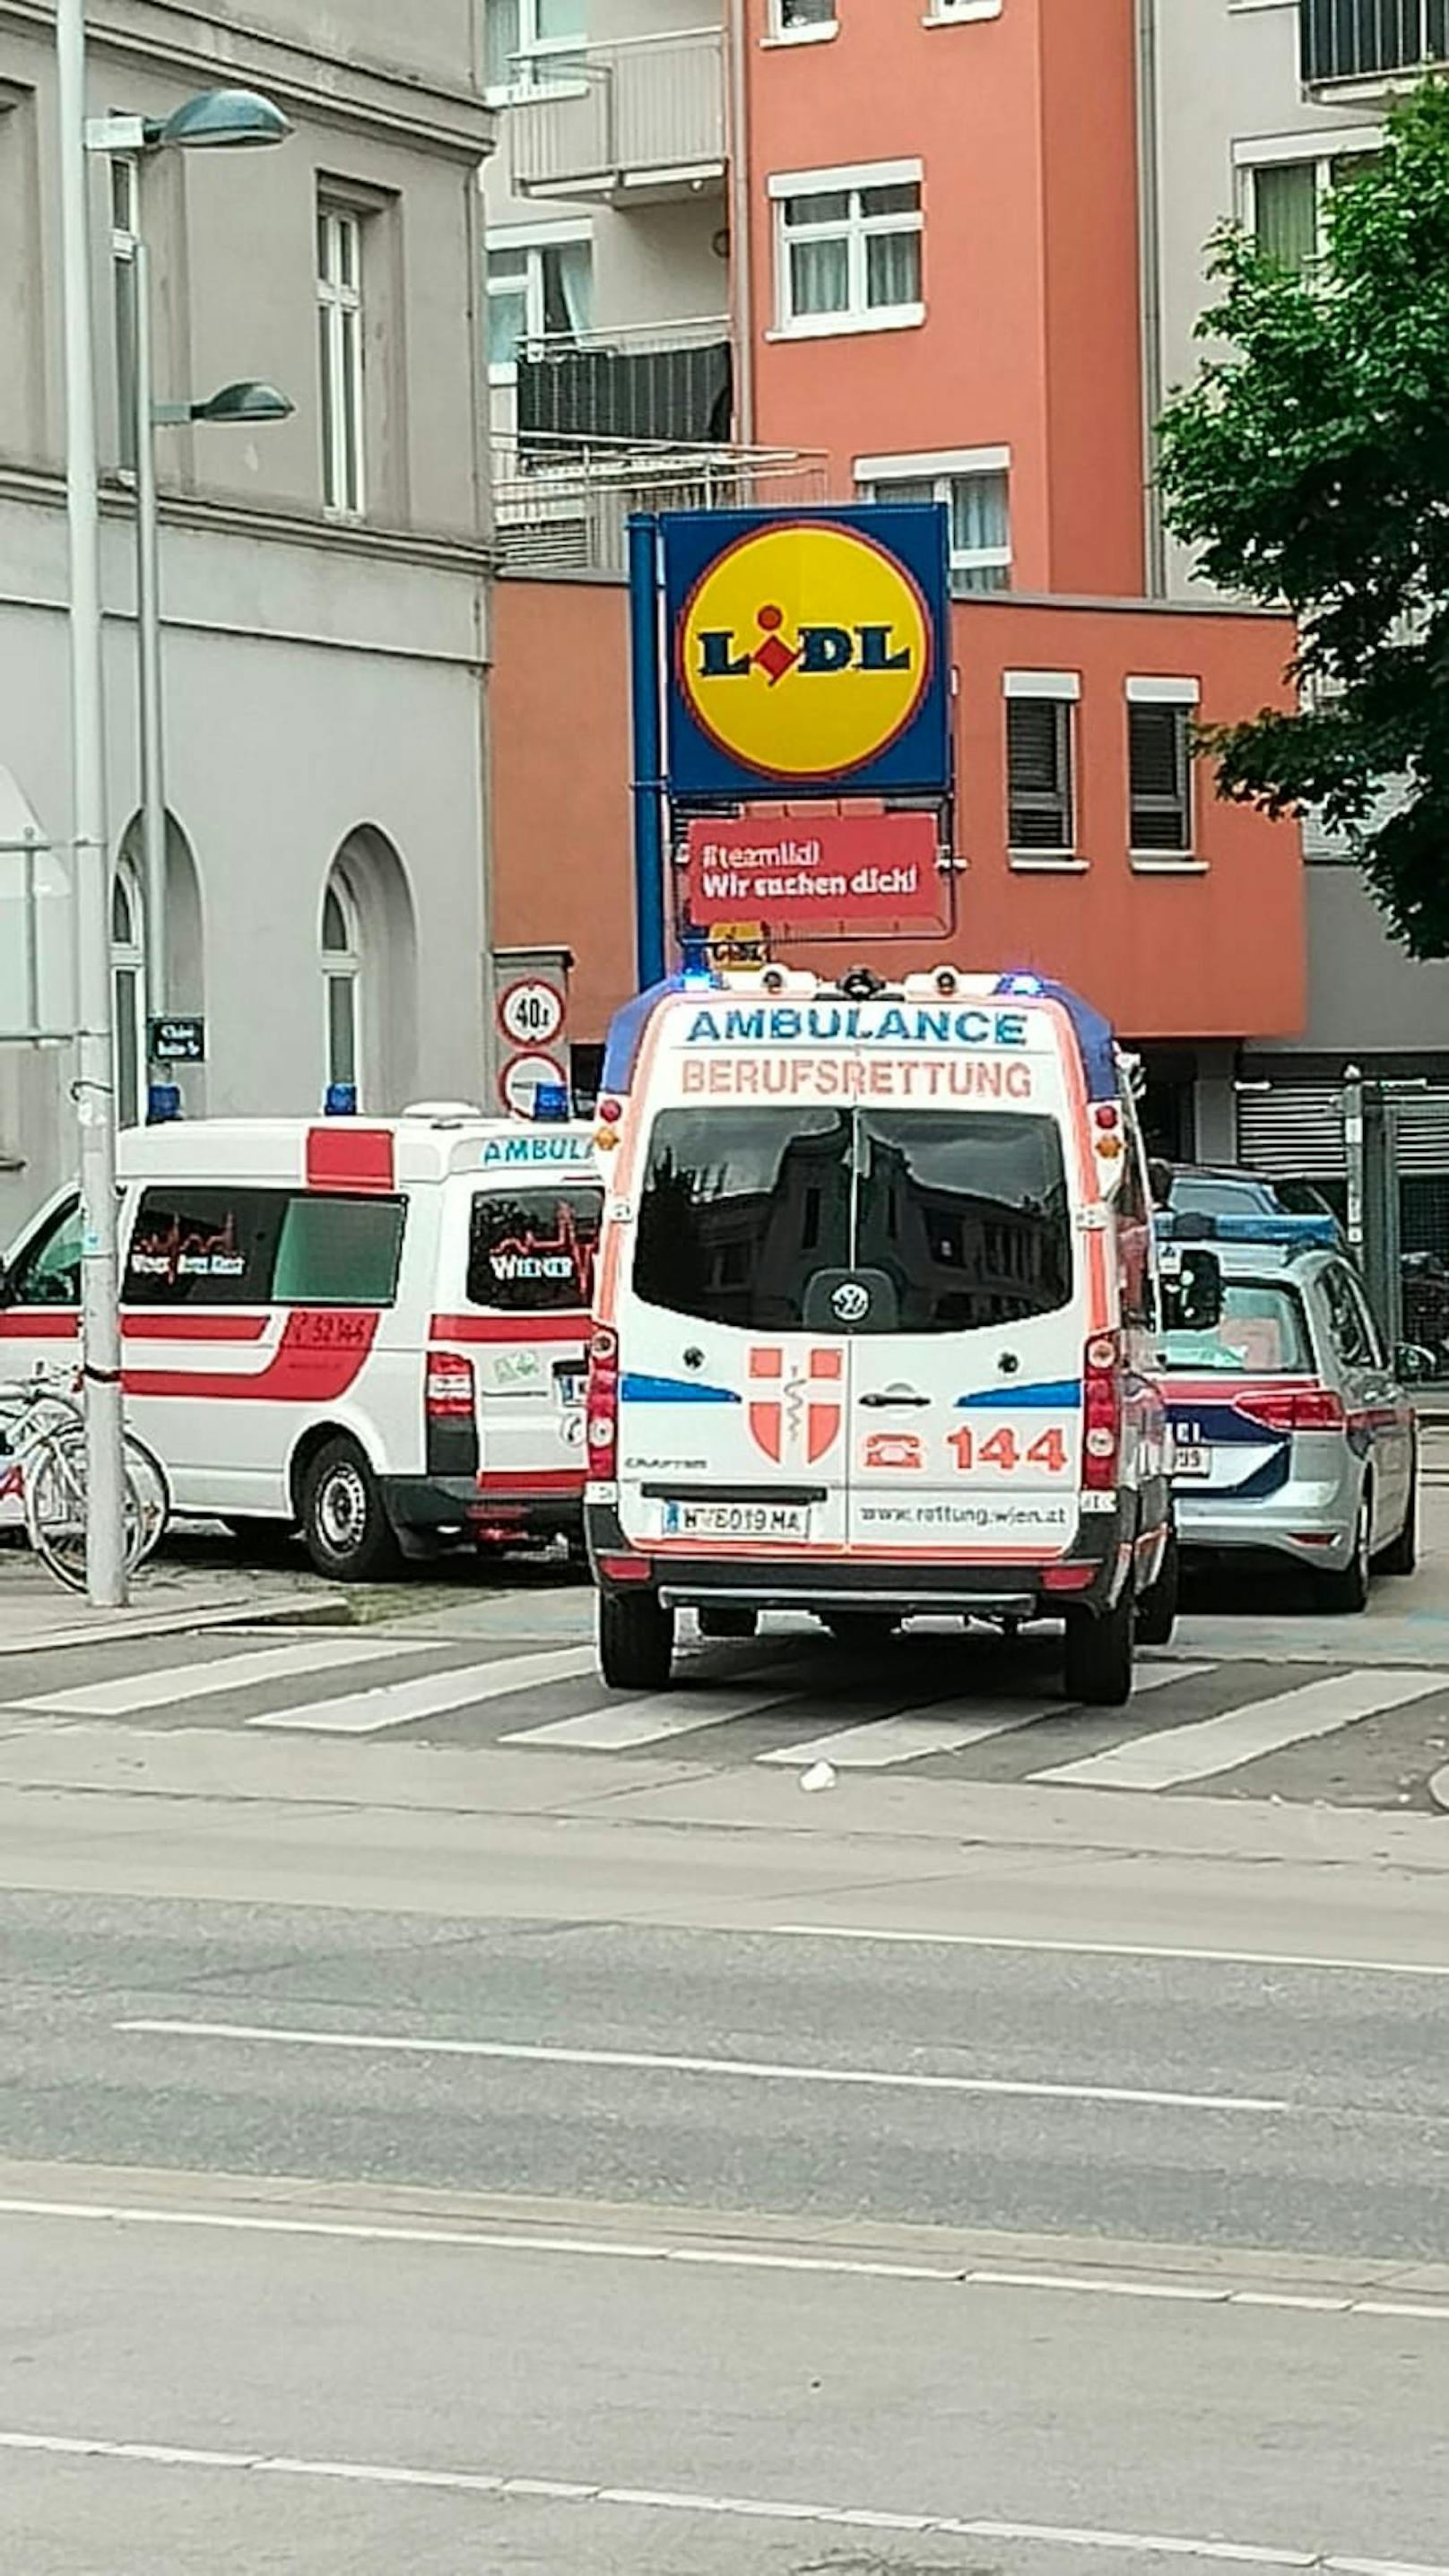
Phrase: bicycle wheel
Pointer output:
(148, 1501)
(55, 1504)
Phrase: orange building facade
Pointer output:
(935, 265)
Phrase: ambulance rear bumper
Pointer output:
(443, 1503)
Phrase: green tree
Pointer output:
(1309, 463)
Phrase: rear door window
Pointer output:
(1262, 1332)
(532, 1252)
(965, 1213)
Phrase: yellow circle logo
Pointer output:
(804, 650)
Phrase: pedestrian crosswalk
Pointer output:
(933, 1705)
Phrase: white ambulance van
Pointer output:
(876, 1321)
(375, 1331)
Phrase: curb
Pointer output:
(307, 1610)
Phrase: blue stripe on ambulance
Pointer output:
(673, 1390)
(1049, 1398)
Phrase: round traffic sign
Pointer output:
(532, 1013)
(525, 1075)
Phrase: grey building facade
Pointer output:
(324, 581)
(1250, 107)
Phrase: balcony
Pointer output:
(1363, 49)
(563, 504)
(637, 122)
(666, 382)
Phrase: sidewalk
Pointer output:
(169, 1594)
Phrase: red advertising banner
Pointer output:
(800, 871)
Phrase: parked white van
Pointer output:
(374, 1330)
(876, 1323)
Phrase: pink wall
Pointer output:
(1025, 125)
(1217, 955)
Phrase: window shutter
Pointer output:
(1039, 773)
(1157, 761)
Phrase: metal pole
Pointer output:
(648, 782)
(95, 1061)
(1353, 1150)
(148, 649)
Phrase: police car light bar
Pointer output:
(1294, 1233)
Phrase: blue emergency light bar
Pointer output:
(1294, 1233)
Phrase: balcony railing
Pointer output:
(1368, 40)
(563, 505)
(644, 114)
(652, 382)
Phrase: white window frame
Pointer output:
(340, 301)
(536, 58)
(943, 467)
(819, 32)
(128, 993)
(346, 966)
(125, 236)
(1061, 689)
(960, 13)
(512, 240)
(1317, 152)
(855, 229)
(1152, 689)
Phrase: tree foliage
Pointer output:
(1309, 464)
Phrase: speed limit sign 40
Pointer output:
(531, 1013)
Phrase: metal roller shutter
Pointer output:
(1294, 1131)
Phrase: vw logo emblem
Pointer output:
(850, 1302)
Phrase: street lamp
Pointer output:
(218, 119)
(233, 118)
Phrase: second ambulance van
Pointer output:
(876, 1320)
(371, 1330)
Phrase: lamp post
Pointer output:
(216, 120)
(222, 117)
(95, 1078)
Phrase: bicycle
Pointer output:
(43, 1466)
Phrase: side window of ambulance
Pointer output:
(203, 1247)
(47, 1272)
(532, 1252)
(335, 1251)
(1139, 1302)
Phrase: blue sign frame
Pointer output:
(918, 761)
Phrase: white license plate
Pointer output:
(1191, 1458)
(736, 1520)
(571, 1384)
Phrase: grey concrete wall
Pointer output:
(321, 681)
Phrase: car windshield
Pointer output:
(1201, 1196)
(963, 1214)
(1262, 1332)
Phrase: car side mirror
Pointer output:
(1412, 1363)
(1192, 1291)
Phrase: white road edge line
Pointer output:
(484, 2240)
(645, 2061)
(1108, 1950)
(1133, 2544)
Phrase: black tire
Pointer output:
(269, 1540)
(1157, 1609)
(1099, 1656)
(348, 1535)
(865, 1631)
(727, 1622)
(1402, 1556)
(1347, 1590)
(636, 1641)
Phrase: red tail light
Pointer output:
(1102, 1412)
(1294, 1408)
(448, 1394)
(601, 1408)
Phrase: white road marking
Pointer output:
(648, 2061)
(877, 1743)
(1109, 1950)
(1180, 1753)
(1150, 1677)
(623, 1724)
(136, 1691)
(731, 2258)
(1128, 2544)
(373, 1712)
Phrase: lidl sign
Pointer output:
(807, 651)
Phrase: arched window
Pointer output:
(342, 981)
(128, 993)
